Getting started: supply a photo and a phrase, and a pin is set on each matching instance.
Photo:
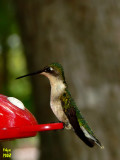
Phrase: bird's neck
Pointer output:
(57, 87)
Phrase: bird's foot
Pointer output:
(67, 125)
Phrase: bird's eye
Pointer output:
(49, 69)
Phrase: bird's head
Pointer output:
(53, 71)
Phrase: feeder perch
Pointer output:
(18, 122)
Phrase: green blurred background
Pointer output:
(84, 36)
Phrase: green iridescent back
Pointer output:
(69, 103)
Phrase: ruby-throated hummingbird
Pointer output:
(64, 106)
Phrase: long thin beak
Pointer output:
(30, 74)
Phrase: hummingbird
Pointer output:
(64, 106)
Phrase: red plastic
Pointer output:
(19, 123)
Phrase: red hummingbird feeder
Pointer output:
(18, 122)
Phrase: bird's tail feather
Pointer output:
(87, 138)
(90, 142)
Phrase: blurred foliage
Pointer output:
(12, 59)
(7, 19)
(12, 62)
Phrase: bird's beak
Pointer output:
(31, 74)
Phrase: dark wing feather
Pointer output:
(77, 121)
(71, 114)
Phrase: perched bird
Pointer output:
(63, 105)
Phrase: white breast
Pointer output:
(58, 111)
(56, 90)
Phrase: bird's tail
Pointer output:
(87, 138)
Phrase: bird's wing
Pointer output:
(78, 123)
(71, 114)
(86, 129)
